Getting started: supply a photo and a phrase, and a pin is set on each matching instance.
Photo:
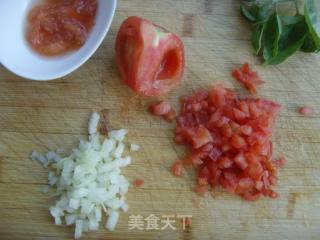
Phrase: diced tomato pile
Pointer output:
(248, 78)
(230, 141)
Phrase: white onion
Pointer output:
(112, 220)
(125, 207)
(40, 158)
(70, 219)
(118, 135)
(119, 150)
(93, 123)
(78, 230)
(134, 147)
(89, 180)
(74, 203)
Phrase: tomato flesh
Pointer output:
(230, 142)
(149, 58)
(59, 26)
(306, 111)
(163, 109)
(177, 168)
(138, 182)
(248, 78)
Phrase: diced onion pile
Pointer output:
(89, 181)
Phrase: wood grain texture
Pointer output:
(50, 115)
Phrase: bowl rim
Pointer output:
(88, 55)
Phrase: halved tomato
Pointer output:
(150, 59)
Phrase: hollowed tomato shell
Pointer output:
(150, 59)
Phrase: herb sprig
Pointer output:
(277, 33)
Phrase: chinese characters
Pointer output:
(153, 222)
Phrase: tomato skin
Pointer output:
(149, 58)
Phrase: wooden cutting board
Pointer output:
(50, 115)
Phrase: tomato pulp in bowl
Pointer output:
(55, 27)
(17, 55)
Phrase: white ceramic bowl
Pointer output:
(16, 55)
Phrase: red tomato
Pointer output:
(198, 137)
(241, 161)
(238, 142)
(246, 130)
(138, 182)
(202, 181)
(201, 190)
(244, 185)
(248, 78)
(150, 59)
(170, 115)
(225, 162)
(281, 162)
(306, 111)
(177, 168)
(188, 222)
(163, 109)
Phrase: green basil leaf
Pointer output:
(256, 11)
(264, 11)
(310, 12)
(273, 30)
(309, 45)
(257, 36)
(247, 14)
(291, 40)
(288, 20)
